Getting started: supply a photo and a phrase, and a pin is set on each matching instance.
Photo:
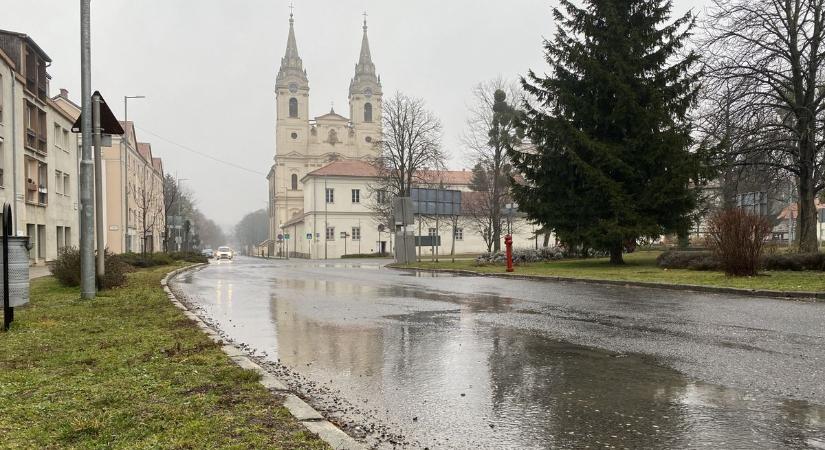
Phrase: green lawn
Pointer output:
(128, 370)
(641, 266)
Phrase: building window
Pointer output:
(58, 136)
(66, 140)
(58, 182)
(37, 182)
(356, 195)
(459, 234)
(330, 233)
(60, 237)
(66, 185)
(432, 232)
(368, 112)
(381, 196)
(293, 107)
(294, 182)
(330, 195)
(356, 233)
(753, 202)
(2, 164)
(294, 135)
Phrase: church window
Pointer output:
(294, 182)
(293, 107)
(356, 233)
(333, 137)
(294, 135)
(330, 233)
(330, 195)
(368, 139)
(356, 195)
(368, 112)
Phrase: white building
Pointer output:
(38, 152)
(321, 183)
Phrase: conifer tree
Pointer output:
(611, 160)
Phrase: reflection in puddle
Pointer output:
(430, 364)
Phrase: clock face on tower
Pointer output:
(293, 87)
(368, 92)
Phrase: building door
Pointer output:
(31, 231)
(383, 247)
(41, 242)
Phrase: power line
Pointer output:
(189, 149)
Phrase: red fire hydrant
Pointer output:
(508, 243)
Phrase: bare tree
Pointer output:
(410, 145)
(765, 57)
(149, 203)
(491, 131)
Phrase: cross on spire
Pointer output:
(365, 19)
(291, 9)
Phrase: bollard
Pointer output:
(508, 244)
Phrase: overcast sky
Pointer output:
(208, 69)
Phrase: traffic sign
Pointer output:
(309, 236)
(280, 237)
(286, 237)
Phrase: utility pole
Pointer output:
(180, 217)
(326, 218)
(98, 135)
(87, 226)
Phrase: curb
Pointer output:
(308, 416)
(781, 295)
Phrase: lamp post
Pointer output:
(180, 217)
(88, 289)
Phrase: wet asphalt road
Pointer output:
(461, 362)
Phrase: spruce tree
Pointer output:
(611, 160)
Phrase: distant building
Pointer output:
(134, 217)
(39, 158)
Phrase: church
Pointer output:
(319, 183)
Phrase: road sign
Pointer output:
(432, 202)
(309, 236)
(280, 237)
(286, 237)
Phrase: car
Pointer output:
(224, 253)
(208, 252)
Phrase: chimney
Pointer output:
(64, 94)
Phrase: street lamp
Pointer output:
(126, 105)
(180, 216)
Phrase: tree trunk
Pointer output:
(546, 239)
(616, 254)
(806, 222)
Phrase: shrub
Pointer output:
(366, 255)
(67, 269)
(192, 257)
(737, 238)
(521, 256)
(688, 259)
(147, 260)
(795, 261)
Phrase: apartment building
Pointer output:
(133, 204)
(38, 153)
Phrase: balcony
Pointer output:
(35, 142)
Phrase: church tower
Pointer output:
(292, 97)
(365, 96)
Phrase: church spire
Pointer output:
(365, 65)
(291, 63)
(365, 68)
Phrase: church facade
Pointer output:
(321, 182)
(305, 144)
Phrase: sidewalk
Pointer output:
(38, 272)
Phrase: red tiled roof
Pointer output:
(157, 164)
(346, 168)
(145, 151)
(358, 168)
(792, 211)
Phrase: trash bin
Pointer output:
(18, 270)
